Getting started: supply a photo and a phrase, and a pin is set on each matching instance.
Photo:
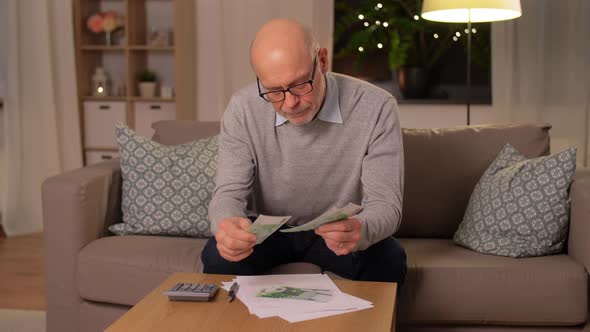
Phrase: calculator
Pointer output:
(191, 292)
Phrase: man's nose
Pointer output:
(290, 100)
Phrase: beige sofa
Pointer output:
(93, 277)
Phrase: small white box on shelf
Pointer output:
(94, 157)
(147, 113)
(99, 123)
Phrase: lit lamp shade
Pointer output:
(458, 11)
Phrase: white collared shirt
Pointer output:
(330, 111)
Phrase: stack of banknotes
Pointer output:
(264, 226)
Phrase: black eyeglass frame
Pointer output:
(310, 82)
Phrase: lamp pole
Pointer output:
(468, 66)
(485, 10)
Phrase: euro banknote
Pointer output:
(264, 226)
(334, 214)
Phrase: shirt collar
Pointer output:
(330, 111)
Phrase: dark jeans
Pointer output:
(383, 261)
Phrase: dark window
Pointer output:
(374, 40)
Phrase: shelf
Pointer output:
(102, 48)
(170, 54)
(434, 101)
(154, 99)
(123, 48)
(99, 149)
(108, 98)
(125, 98)
(151, 48)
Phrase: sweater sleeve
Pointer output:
(382, 178)
(235, 168)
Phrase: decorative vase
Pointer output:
(100, 84)
(413, 82)
(395, 90)
(108, 38)
(147, 89)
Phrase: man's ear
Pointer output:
(323, 59)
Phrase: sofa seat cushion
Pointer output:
(450, 284)
(123, 269)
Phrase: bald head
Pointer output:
(284, 43)
(283, 56)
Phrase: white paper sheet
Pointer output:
(290, 309)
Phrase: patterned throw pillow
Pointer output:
(166, 189)
(520, 207)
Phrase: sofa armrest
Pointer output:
(78, 207)
(579, 230)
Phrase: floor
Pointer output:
(22, 320)
(22, 272)
(22, 290)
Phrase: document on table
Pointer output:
(282, 296)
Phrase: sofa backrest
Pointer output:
(442, 166)
(174, 132)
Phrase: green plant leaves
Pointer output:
(407, 41)
(398, 51)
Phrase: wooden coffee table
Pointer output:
(156, 313)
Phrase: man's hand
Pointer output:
(341, 236)
(234, 242)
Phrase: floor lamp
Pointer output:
(470, 11)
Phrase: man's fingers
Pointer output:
(337, 236)
(237, 244)
(346, 225)
(339, 248)
(233, 256)
(225, 251)
(241, 235)
(338, 226)
(234, 242)
(341, 236)
(228, 252)
(226, 240)
(244, 223)
(236, 228)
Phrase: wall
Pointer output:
(3, 41)
(436, 116)
(225, 29)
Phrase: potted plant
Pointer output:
(147, 83)
(413, 45)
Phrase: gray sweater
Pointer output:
(302, 171)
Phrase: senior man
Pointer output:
(297, 142)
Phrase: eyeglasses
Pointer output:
(299, 89)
